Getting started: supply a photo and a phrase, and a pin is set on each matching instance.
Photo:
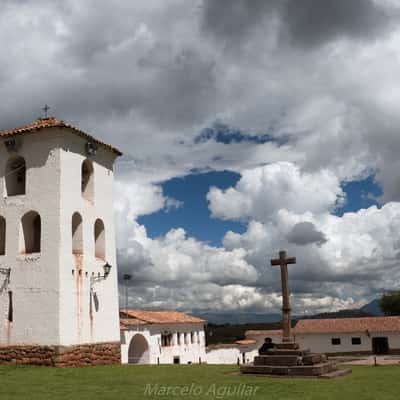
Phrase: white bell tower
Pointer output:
(58, 273)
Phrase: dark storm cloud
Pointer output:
(305, 233)
(312, 22)
(232, 19)
(96, 64)
(305, 23)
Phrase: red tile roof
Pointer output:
(127, 323)
(263, 332)
(348, 325)
(339, 325)
(161, 317)
(245, 342)
(45, 123)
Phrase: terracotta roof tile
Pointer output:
(339, 325)
(263, 332)
(161, 317)
(44, 123)
(245, 342)
(211, 347)
(127, 323)
(348, 325)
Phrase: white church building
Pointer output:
(58, 275)
(161, 337)
(344, 336)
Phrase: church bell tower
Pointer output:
(58, 273)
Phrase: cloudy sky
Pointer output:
(247, 126)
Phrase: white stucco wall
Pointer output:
(187, 352)
(77, 325)
(48, 301)
(322, 343)
(230, 354)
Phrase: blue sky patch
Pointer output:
(225, 134)
(360, 194)
(194, 215)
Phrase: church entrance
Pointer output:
(380, 345)
(139, 352)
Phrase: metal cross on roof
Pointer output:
(46, 108)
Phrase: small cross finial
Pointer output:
(46, 108)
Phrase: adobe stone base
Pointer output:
(62, 356)
(288, 360)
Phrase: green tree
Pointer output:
(390, 303)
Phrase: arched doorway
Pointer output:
(138, 352)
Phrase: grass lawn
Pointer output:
(201, 382)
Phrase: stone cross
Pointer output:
(283, 261)
(46, 108)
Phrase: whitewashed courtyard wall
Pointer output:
(322, 343)
(231, 354)
(187, 351)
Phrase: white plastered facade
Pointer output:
(51, 290)
(190, 348)
(231, 354)
(322, 342)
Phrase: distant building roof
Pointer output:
(45, 123)
(337, 325)
(245, 342)
(348, 325)
(127, 323)
(217, 346)
(159, 317)
(263, 332)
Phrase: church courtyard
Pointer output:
(190, 382)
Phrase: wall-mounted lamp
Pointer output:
(107, 269)
(11, 145)
(95, 279)
(91, 149)
(7, 273)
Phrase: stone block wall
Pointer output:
(60, 356)
(392, 352)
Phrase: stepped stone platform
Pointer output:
(288, 360)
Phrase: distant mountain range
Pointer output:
(373, 308)
(233, 318)
(238, 318)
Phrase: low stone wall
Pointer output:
(362, 353)
(62, 356)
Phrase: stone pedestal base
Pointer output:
(288, 360)
(62, 356)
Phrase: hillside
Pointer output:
(217, 333)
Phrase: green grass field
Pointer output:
(190, 382)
